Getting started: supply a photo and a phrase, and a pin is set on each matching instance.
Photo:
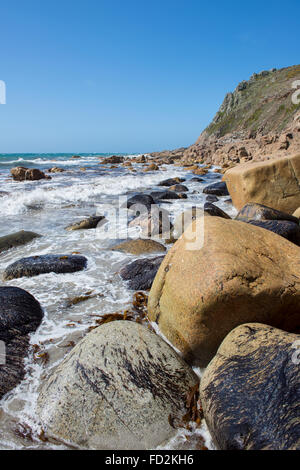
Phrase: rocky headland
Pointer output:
(218, 290)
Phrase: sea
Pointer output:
(47, 206)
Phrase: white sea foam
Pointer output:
(46, 207)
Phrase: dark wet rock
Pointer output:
(211, 209)
(158, 195)
(121, 387)
(140, 199)
(211, 198)
(171, 181)
(20, 314)
(35, 265)
(179, 188)
(228, 201)
(21, 173)
(141, 273)
(253, 211)
(3, 193)
(250, 390)
(217, 189)
(113, 159)
(89, 223)
(197, 180)
(16, 239)
(139, 246)
(284, 228)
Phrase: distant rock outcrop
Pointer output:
(20, 173)
(259, 120)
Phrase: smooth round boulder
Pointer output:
(139, 246)
(140, 274)
(217, 189)
(250, 391)
(35, 265)
(119, 388)
(17, 239)
(253, 211)
(20, 314)
(219, 275)
(86, 224)
(19, 311)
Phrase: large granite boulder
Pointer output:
(284, 228)
(119, 388)
(273, 183)
(216, 278)
(140, 274)
(250, 390)
(140, 246)
(20, 173)
(35, 265)
(20, 314)
(16, 239)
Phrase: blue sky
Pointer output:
(127, 75)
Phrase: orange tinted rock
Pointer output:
(242, 273)
(273, 183)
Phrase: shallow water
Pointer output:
(47, 207)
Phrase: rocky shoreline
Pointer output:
(221, 305)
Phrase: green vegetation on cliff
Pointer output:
(261, 105)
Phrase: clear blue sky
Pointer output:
(128, 75)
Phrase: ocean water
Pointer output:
(47, 207)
